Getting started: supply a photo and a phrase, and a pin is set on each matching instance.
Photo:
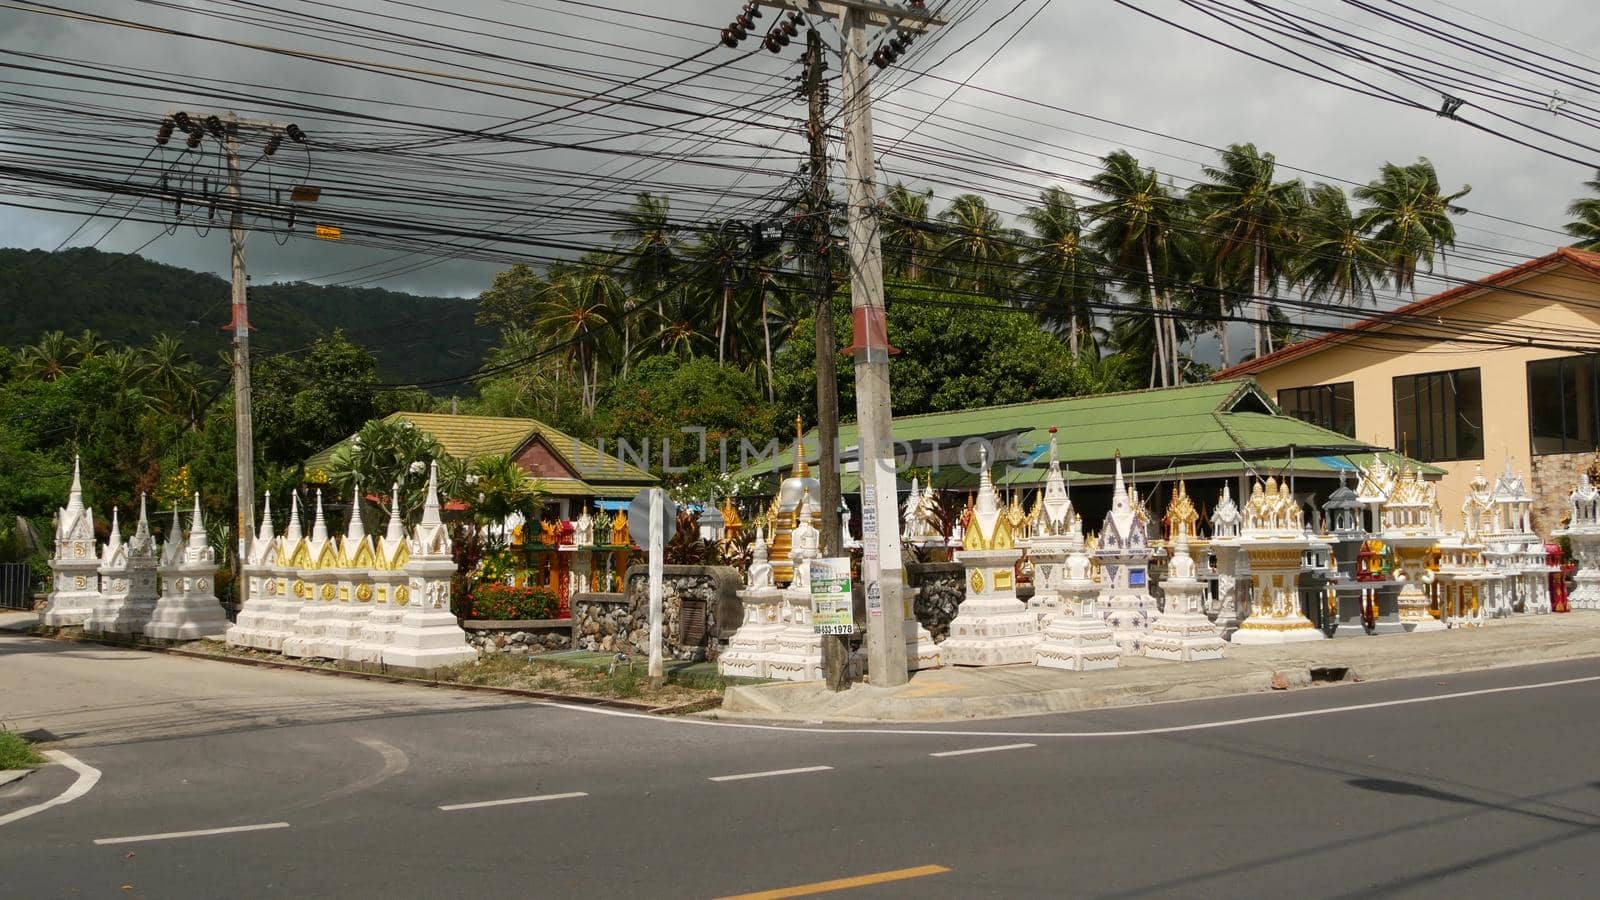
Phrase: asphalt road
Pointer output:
(1440, 787)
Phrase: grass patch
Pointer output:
(17, 753)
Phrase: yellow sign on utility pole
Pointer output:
(329, 232)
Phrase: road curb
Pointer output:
(808, 702)
(581, 699)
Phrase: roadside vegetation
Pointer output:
(17, 753)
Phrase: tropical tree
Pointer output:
(1251, 216)
(574, 313)
(173, 378)
(1408, 219)
(1336, 261)
(720, 257)
(1135, 227)
(499, 487)
(1586, 224)
(384, 454)
(1063, 266)
(978, 248)
(908, 237)
(650, 242)
(54, 356)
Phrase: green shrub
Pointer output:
(17, 753)
(504, 602)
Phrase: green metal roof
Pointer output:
(1197, 428)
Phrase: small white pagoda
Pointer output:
(991, 627)
(429, 636)
(1078, 638)
(389, 594)
(1513, 549)
(342, 631)
(255, 616)
(1583, 532)
(1181, 632)
(1232, 564)
(1411, 530)
(1274, 537)
(74, 567)
(284, 586)
(1058, 531)
(757, 636)
(127, 579)
(1123, 553)
(188, 609)
(317, 570)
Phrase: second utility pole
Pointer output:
(244, 452)
(835, 647)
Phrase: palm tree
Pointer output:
(1253, 216)
(498, 487)
(173, 378)
(1134, 225)
(1336, 260)
(978, 247)
(574, 315)
(88, 345)
(1408, 218)
(720, 254)
(1586, 227)
(54, 356)
(1063, 266)
(651, 241)
(681, 325)
(907, 236)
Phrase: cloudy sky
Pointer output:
(508, 59)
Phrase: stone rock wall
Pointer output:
(1553, 478)
(512, 637)
(940, 588)
(608, 623)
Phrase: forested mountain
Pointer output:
(128, 300)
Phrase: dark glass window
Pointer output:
(1562, 404)
(1439, 416)
(1332, 406)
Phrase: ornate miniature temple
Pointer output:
(992, 627)
(1274, 538)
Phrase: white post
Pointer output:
(657, 504)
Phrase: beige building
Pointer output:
(1503, 368)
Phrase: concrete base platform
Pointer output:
(955, 694)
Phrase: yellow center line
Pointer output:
(842, 884)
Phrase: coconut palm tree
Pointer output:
(720, 258)
(1252, 216)
(908, 238)
(54, 356)
(1134, 226)
(978, 247)
(172, 377)
(574, 315)
(1062, 265)
(1408, 219)
(1586, 226)
(1336, 261)
(650, 240)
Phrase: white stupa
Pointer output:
(991, 627)
(188, 609)
(74, 568)
(390, 594)
(127, 579)
(429, 636)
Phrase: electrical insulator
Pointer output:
(745, 21)
(273, 144)
(295, 134)
(791, 25)
(164, 133)
(729, 38)
(753, 10)
(214, 125)
(880, 58)
(183, 122)
(901, 43)
(195, 137)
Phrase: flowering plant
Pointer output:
(504, 602)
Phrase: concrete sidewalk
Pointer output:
(954, 694)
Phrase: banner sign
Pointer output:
(831, 605)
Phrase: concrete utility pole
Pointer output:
(880, 521)
(835, 647)
(226, 131)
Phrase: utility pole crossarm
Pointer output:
(882, 15)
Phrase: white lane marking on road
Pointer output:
(774, 772)
(88, 776)
(480, 805)
(204, 832)
(395, 762)
(1138, 732)
(984, 749)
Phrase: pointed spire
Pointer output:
(355, 532)
(142, 528)
(801, 469)
(115, 540)
(177, 526)
(396, 531)
(266, 532)
(430, 507)
(319, 527)
(75, 495)
(197, 526)
(292, 534)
